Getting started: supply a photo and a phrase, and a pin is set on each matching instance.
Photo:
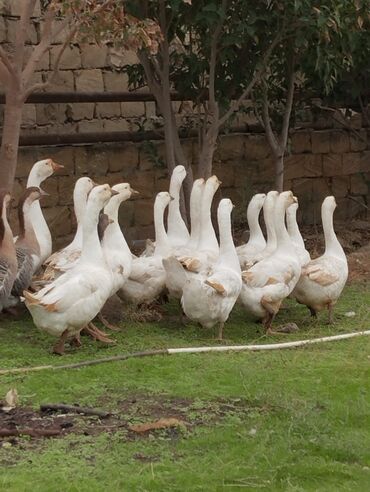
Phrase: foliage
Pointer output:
(287, 420)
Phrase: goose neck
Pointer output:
(255, 232)
(7, 247)
(26, 229)
(268, 215)
(332, 245)
(282, 236)
(162, 246)
(228, 255)
(91, 247)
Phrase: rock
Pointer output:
(320, 142)
(89, 80)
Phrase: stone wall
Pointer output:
(321, 163)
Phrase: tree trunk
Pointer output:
(279, 173)
(10, 140)
(206, 154)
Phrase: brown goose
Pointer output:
(8, 259)
(27, 246)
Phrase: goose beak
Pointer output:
(44, 193)
(110, 221)
(55, 166)
(171, 198)
(114, 192)
(134, 192)
(295, 199)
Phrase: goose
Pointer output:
(267, 283)
(39, 172)
(147, 278)
(68, 304)
(195, 211)
(26, 245)
(62, 260)
(8, 258)
(295, 234)
(209, 298)
(177, 232)
(256, 243)
(323, 279)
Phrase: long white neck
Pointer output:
(113, 236)
(207, 240)
(27, 236)
(79, 202)
(292, 225)
(228, 256)
(255, 232)
(195, 208)
(91, 248)
(39, 223)
(268, 215)
(176, 225)
(162, 244)
(283, 239)
(332, 245)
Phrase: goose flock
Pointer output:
(66, 290)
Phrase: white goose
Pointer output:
(68, 304)
(267, 283)
(209, 298)
(177, 231)
(323, 279)
(39, 172)
(295, 234)
(256, 243)
(147, 279)
(62, 260)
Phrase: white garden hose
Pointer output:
(190, 350)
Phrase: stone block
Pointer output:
(94, 56)
(150, 109)
(162, 180)
(80, 111)
(61, 155)
(50, 113)
(63, 81)
(340, 186)
(302, 188)
(341, 212)
(108, 109)
(339, 142)
(332, 164)
(90, 126)
(59, 220)
(61, 35)
(320, 142)
(143, 214)
(229, 147)
(356, 207)
(126, 216)
(28, 116)
(225, 172)
(27, 156)
(19, 187)
(117, 125)
(256, 147)
(359, 186)
(351, 163)
(44, 62)
(143, 232)
(13, 25)
(118, 58)
(115, 81)
(188, 149)
(70, 60)
(92, 161)
(364, 162)
(50, 185)
(66, 186)
(132, 109)
(301, 142)
(152, 154)
(358, 140)
(15, 7)
(124, 159)
(89, 80)
(303, 165)
(143, 182)
(2, 30)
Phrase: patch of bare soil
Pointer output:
(136, 417)
(359, 265)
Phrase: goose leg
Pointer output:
(106, 323)
(76, 341)
(221, 331)
(97, 334)
(58, 348)
(331, 314)
(313, 312)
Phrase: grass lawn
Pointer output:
(286, 420)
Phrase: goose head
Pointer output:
(83, 187)
(178, 174)
(45, 168)
(162, 200)
(32, 194)
(258, 200)
(225, 206)
(213, 183)
(287, 199)
(124, 191)
(5, 199)
(100, 196)
(329, 204)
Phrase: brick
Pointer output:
(125, 159)
(143, 214)
(115, 81)
(340, 186)
(304, 165)
(332, 165)
(351, 163)
(28, 115)
(70, 60)
(50, 113)
(92, 161)
(66, 186)
(94, 56)
(89, 80)
(359, 185)
(339, 142)
(364, 164)
(88, 126)
(117, 125)
(358, 141)
(63, 81)
(80, 111)
(132, 109)
(108, 110)
(301, 142)
(320, 142)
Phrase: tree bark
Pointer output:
(279, 173)
(10, 139)
(205, 162)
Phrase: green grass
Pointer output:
(303, 421)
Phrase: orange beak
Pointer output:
(56, 166)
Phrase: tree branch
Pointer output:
(27, 9)
(256, 78)
(274, 144)
(288, 105)
(7, 63)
